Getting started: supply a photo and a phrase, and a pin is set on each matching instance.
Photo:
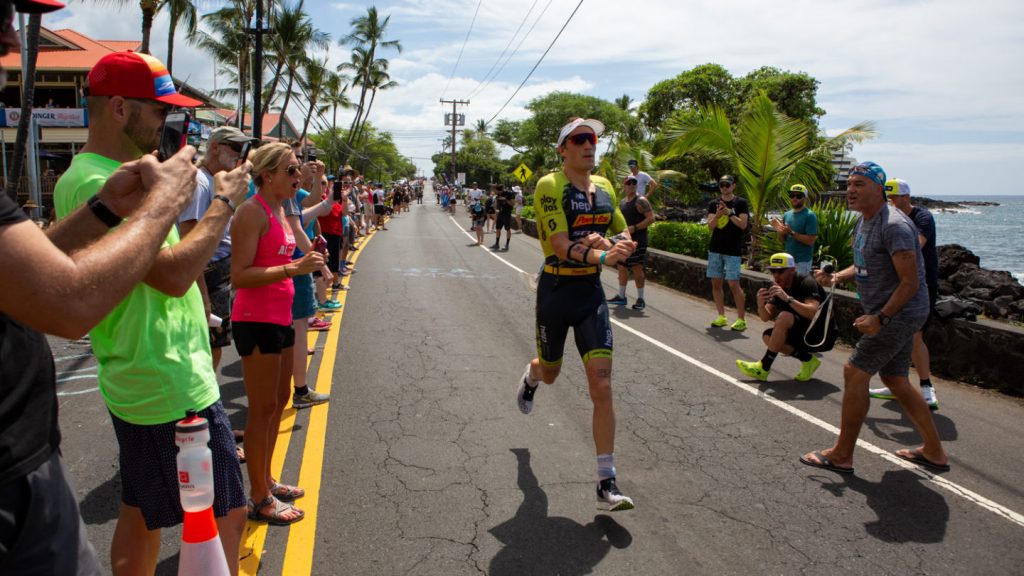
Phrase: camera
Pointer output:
(828, 268)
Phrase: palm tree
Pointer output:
(313, 82)
(149, 10)
(378, 80)
(481, 126)
(229, 46)
(182, 12)
(768, 151)
(368, 33)
(625, 102)
(359, 65)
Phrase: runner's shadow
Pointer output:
(946, 427)
(626, 312)
(538, 544)
(908, 509)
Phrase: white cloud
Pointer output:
(932, 73)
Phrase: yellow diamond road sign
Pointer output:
(523, 172)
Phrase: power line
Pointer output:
(502, 55)
(550, 46)
(464, 42)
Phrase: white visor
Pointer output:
(594, 125)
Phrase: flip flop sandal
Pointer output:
(918, 458)
(826, 464)
(286, 493)
(275, 518)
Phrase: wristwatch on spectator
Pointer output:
(883, 318)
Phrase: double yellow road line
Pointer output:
(298, 557)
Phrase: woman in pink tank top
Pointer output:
(262, 244)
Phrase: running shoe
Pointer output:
(330, 305)
(640, 304)
(807, 369)
(882, 393)
(618, 300)
(311, 398)
(720, 322)
(753, 369)
(929, 397)
(525, 392)
(318, 325)
(608, 493)
(739, 325)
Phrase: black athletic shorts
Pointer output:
(268, 338)
(577, 302)
(796, 336)
(503, 221)
(638, 257)
(379, 210)
(218, 285)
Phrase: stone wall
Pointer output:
(984, 353)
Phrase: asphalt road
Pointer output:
(427, 467)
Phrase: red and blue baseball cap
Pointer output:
(37, 6)
(132, 75)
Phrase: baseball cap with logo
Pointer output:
(631, 163)
(798, 189)
(132, 75)
(781, 261)
(726, 179)
(897, 187)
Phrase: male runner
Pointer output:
(574, 210)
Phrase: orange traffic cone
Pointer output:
(201, 550)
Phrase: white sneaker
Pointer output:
(929, 397)
(608, 493)
(525, 392)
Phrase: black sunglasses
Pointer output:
(796, 196)
(579, 139)
(724, 184)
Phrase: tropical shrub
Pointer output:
(687, 238)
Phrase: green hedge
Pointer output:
(687, 238)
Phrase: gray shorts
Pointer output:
(888, 352)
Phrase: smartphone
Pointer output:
(336, 189)
(244, 155)
(174, 136)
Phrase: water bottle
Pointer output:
(195, 463)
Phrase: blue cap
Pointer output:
(870, 170)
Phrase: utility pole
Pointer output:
(454, 119)
(257, 75)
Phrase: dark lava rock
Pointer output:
(998, 293)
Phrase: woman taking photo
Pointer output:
(261, 271)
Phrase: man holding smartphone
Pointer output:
(223, 153)
(728, 217)
(153, 349)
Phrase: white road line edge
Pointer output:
(952, 487)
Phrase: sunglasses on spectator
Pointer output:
(792, 196)
(724, 184)
(579, 139)
(293, 169)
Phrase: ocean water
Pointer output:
(994, 233)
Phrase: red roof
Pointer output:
(270, 122)
(74, 51)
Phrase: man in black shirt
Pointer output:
(506, 200)
(639, 216)
(40, 528)
(728, 217)
(792, 301)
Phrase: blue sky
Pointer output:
(941, 79)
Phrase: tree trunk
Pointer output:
(148, 12)
(284, 107)
(309, 117)
(28, 77)
(362, 127)
(170, 43)
(268, 96)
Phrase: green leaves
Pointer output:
(687, 238)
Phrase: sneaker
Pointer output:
(618, 300)
(739, 325)
(929, 397)
(882, 393)
(640, 304)
(525, 392)
(807, 369)
(318, 325)
(609, 493)
(753, 369)
(330, 305)
(720, 322)
(311, 398)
